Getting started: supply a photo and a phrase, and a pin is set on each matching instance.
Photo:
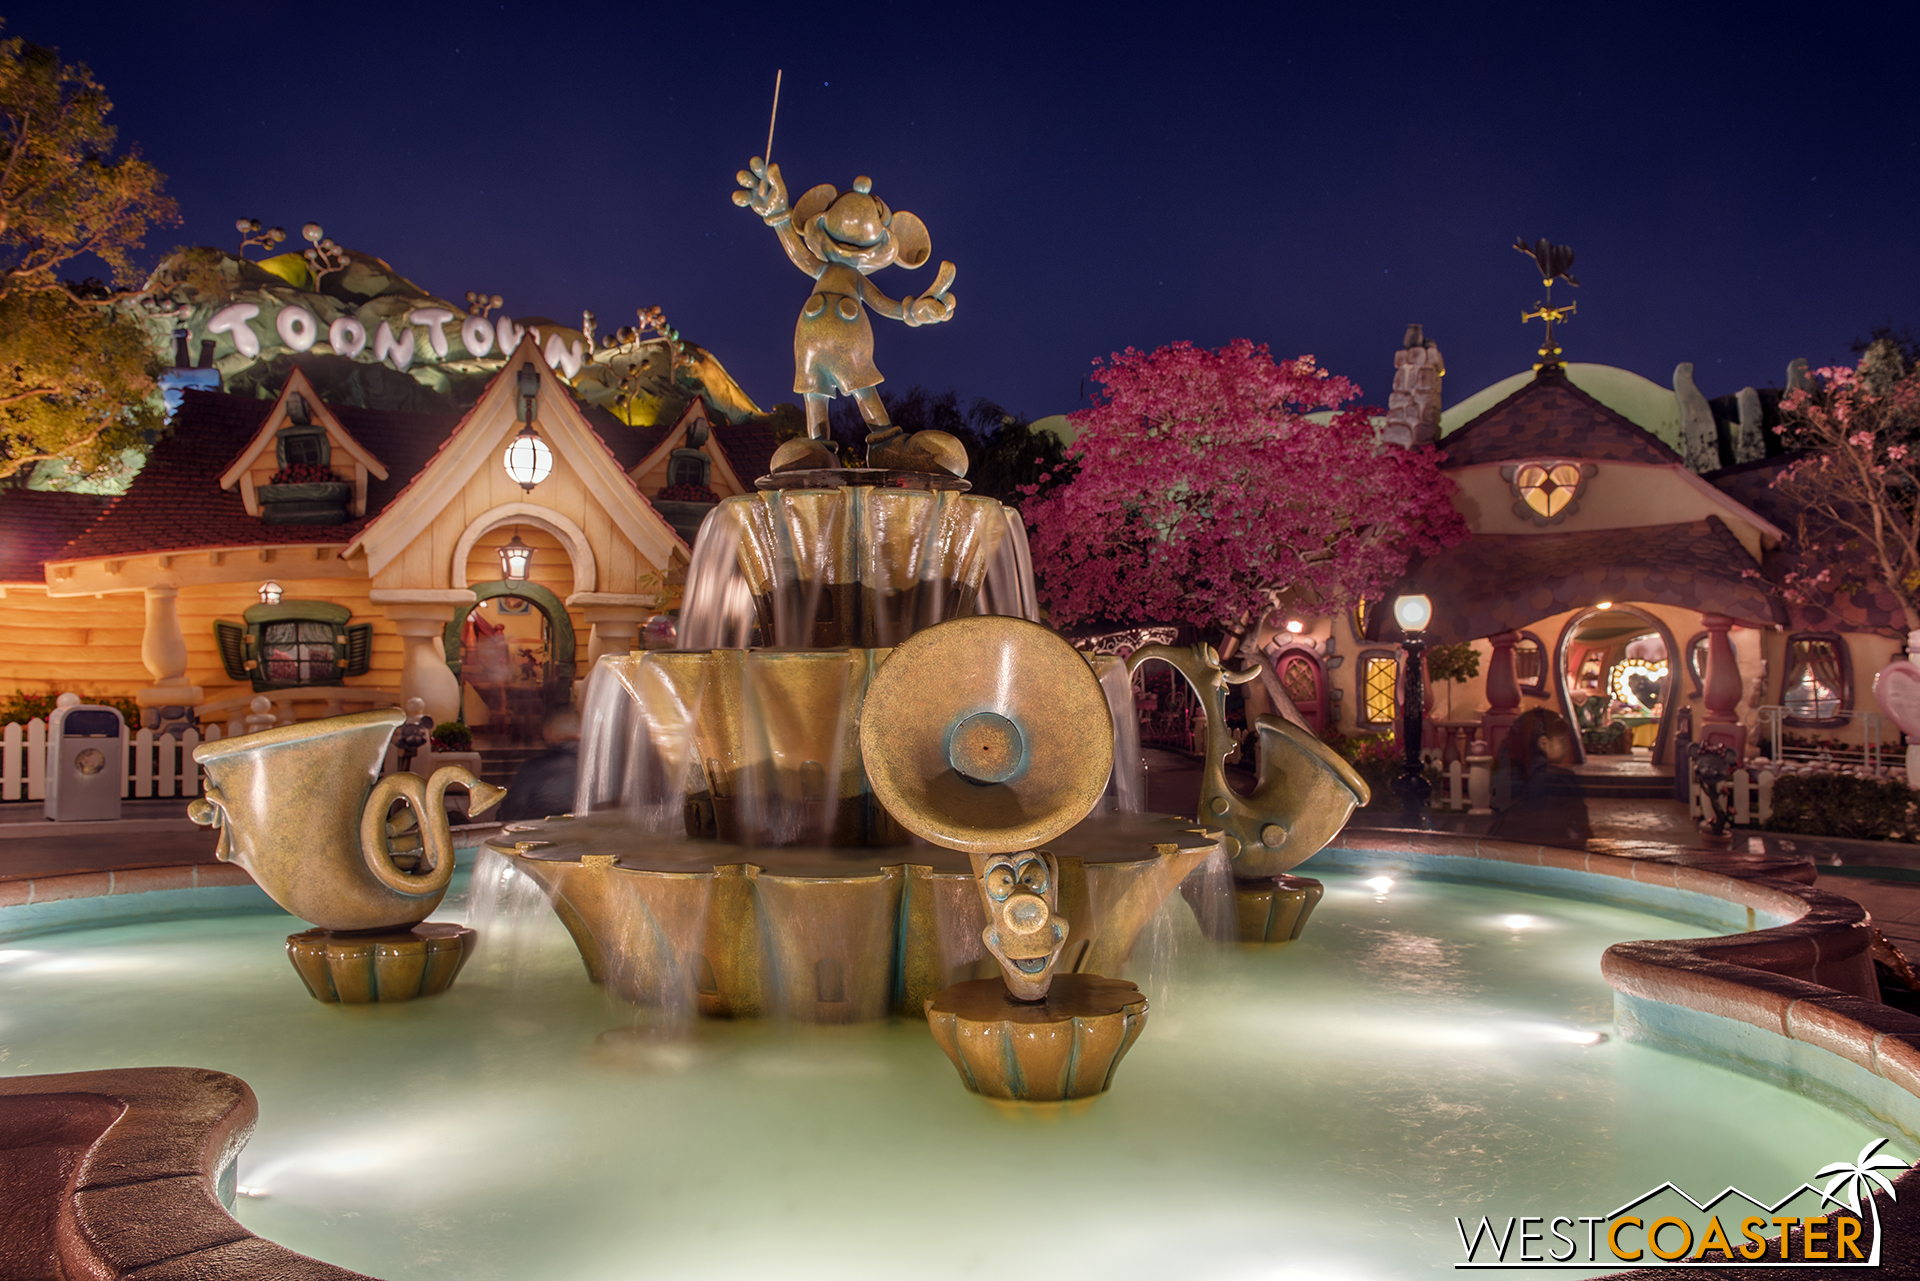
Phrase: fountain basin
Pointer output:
(1400, 1094)
(828, 935)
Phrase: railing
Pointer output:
(154, 764)
(1775, 731)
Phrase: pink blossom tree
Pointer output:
(1858, 481)
(1213, 485)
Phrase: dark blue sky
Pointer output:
(1741, 184)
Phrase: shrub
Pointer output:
(452, 736)
(1872, 809)
(21, 706)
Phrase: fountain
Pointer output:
(743, 841)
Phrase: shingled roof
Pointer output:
(1861, 603)
(1550, 417)
(176, 503)
(35, 525)
(1502, 582)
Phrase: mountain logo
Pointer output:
(1827, 1239)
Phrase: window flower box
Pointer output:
(305, 503)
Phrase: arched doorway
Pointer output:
(1303, 675)
(515, 663)
(1591, 661)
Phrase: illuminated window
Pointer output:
(294, 643)
(1817, 688)
(1547, 491)
(1379, 678)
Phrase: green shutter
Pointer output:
(359, 649)
(231, 640)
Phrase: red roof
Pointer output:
(1552, 417)
(176, 503)
(36, 525)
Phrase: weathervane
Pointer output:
(1553, 261)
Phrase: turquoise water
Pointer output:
(1323, 1109)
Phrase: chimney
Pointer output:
(1413, 407)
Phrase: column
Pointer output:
(169, 701)
(421, 616)
(1503, 692)
(1720, 694)
(616, 619)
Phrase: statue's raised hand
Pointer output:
(764, 192)
(936, 304)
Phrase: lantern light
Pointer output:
(1295, 626)
(516, 560)
(528, 459)
(1603, 604)
(1413, 613)
(271, 592)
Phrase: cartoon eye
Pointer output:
(1033, 875)
(1000, 882)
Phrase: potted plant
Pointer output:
(305, 494)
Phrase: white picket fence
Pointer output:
(1752, 798)
(155, 764)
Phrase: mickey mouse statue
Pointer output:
(839, 239)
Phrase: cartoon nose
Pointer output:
(1025, 914)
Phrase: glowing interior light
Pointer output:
(1605, 604)
(1380, 884)
(1295, 626)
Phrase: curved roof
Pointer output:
(1643, 402)
(1498, 583)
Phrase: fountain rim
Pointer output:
(299, 732)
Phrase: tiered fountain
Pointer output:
(869, 776)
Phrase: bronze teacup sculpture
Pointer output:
(299, 807)
(992, 735)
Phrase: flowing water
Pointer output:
(1323, 1109)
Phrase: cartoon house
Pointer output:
(332, 557)
(1605, 579)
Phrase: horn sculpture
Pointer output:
(992, 735)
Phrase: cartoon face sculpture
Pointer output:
(1023, 932)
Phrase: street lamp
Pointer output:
(1413, 613)
(516, 560)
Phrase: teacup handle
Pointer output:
(426, 796)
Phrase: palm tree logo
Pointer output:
(1862, 1175)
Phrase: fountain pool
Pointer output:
(1428, 1050)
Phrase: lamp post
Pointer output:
(1413, 613)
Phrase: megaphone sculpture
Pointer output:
(992, 736)
(298, 807)
(1302, 798)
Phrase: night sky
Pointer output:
(1741, 184)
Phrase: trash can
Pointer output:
(86, 759)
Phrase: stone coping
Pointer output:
(122, 1172)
